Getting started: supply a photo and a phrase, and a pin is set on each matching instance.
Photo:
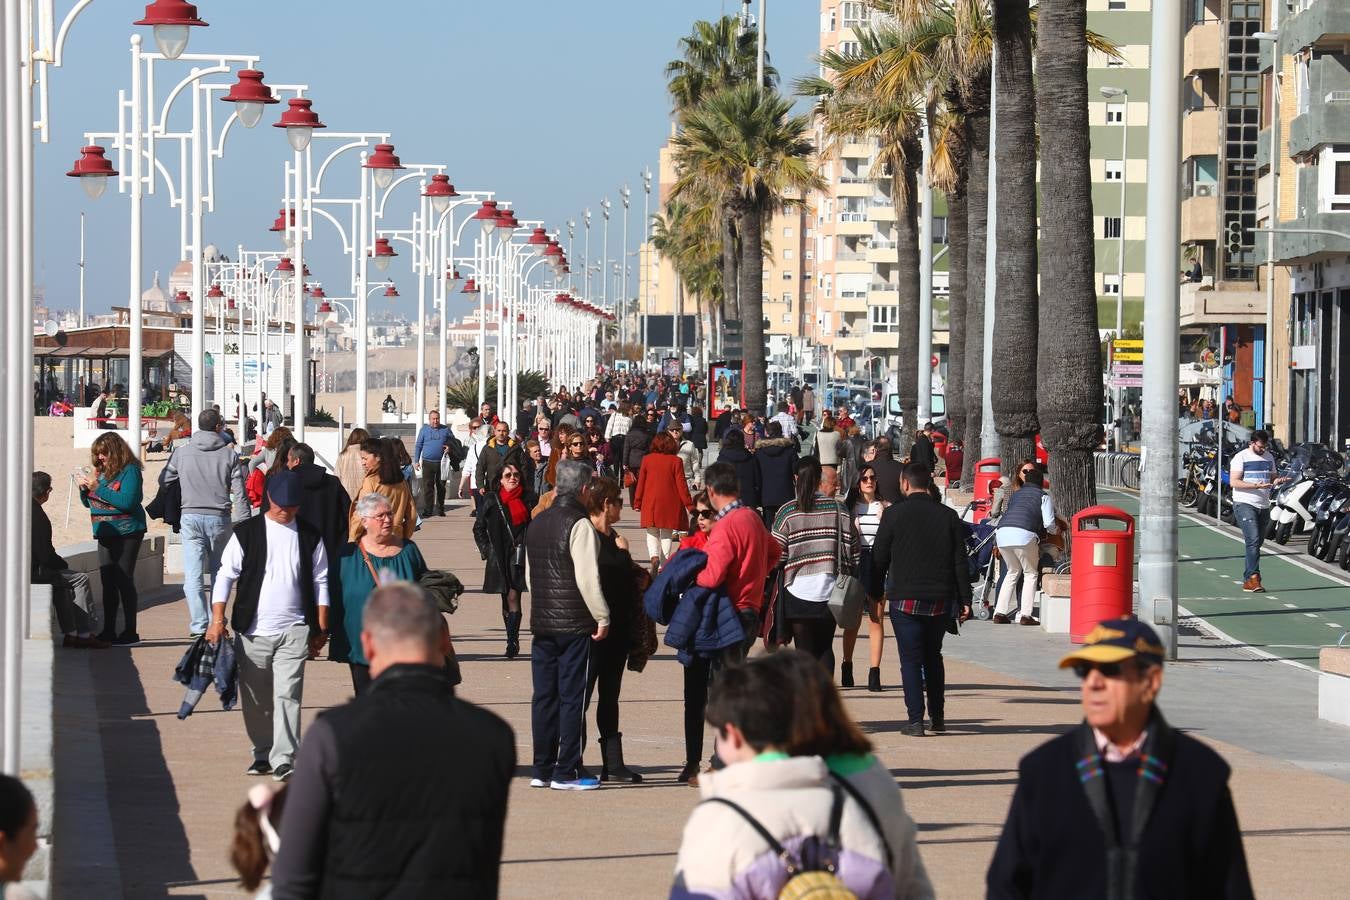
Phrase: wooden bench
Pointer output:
(1333, 688)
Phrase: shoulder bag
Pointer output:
(848, 595)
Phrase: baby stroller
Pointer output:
(982, 558)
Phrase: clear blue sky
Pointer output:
(551, 105)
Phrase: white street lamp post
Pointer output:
(1268, 395)
(647, 260)
(1111, 93)
(923, 408)
(625, 195)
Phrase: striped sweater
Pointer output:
(810, 539)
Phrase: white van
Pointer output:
(892, 422)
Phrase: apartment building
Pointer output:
(1312, 288)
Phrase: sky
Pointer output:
(552, 105)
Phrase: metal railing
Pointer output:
(1117, 469)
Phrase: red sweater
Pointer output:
(662, 495)
(741, 553)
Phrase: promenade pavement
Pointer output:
(145, 802)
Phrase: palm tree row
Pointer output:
(740, 156)
(932, 63)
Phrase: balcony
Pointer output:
(882, 212)
(882, 253)
(1324, 24)
(1200, 133)
(1231, 303)
(1327, 121)
(1199, 219)
(847, 343)
(883, 340)
(882, 293)
(1201, 52)
(1291, 249)
(853, 224)
(851, 302)
(856, 151)
(854, 186)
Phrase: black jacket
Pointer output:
(556, 605)
(324, 506)
(698, 431)
(777, 462)
(400, 793)
(888, 477)
(45, 558)
(922, 452)
(168, 504)
(747, 473)
(496, 536)
(1054, 845)
(922, 543)
(635, 444)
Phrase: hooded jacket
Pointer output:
(747, 473)
(701, 620)
(776, 459)
(209, 476)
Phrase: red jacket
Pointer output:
(662, 495)
(741, 553)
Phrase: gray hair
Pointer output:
(401, 613)
(572, 476)
(372, 503)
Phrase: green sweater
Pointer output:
(115, 505)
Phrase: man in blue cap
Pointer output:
(1124, 805)
(279, 570)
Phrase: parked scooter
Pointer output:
(1330, 503)
(1311, 467)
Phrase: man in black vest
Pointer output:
(401, 792)
(1124, 805)
(280, 619)
(567, 612)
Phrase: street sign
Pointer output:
(1125, 381)
(1127, 368)
(1128, 345)
(1129, 356)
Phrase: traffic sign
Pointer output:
(1128, 368)
(1125, 381)
(1128, 345)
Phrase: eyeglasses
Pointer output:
(511, 475)
(384, 515)
(868, 478)
(705, 513)
(574, 443)
(1108, 670)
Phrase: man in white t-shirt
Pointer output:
(280, 619)
(1251, 475)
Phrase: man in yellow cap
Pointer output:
(1124, 805)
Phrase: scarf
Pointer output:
(514, 505)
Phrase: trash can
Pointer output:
(986, 471)
(955, 458)
(1101, 580)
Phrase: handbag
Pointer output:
(848, 595)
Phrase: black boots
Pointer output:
(874, 679)
(512, 622)
(846, 674)
(611, 766)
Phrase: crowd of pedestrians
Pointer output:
(403, 791)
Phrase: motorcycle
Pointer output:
(1311, 467)
(1328, 506)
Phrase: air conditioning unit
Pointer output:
(1204, 190)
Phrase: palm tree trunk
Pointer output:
(977, 210)
(1013, 393)
(752, 307)
(904, 188)
(730, 266)
(956, 313)
(1069, 393)
(679, 318)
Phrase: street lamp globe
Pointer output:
(171, 20)
(285, 269)
(452, 278)
(382, 253)
(440, 192)
(249, 95)
(470, 287)
(383, 163)
(299, 120)
(93, 169)
(539, 241)
(390, 290)
(281, 226)
(486, 216)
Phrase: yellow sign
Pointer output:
(1128, 345)
(1128, 357)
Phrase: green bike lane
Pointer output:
(1301, 611)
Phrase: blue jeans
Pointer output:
(560, 666)
(919, 639)
(204, 538)
(1253, 522)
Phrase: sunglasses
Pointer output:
(1108, 670)
(511, 475)
(705, 513)
(574, 443)
(1027, 471)
(866, 478)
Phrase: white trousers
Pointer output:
(659, 542)
(1023, 558)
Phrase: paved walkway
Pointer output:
(146, 802)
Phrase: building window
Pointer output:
(1111, 227)
(1115, 63)
(849, 48)
(1115, 4)
(787, 298)
(787, 276)
(809, 232)
(939, 229)
(1111, 285)
(787, 232)
(1115, 113)
(787, 254)
(787, 318)
(809, 254)
(1335, 162)
(852, 13)
(883, 319)
(1115, 170)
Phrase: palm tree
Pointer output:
(1016, 323)
(949, 174)
(742, 144)
(1069, 366)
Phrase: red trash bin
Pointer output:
(986, 470)
(1101, 579)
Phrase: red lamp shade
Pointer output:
(540, 241)
(215, 293)
(506, 221)
(284, 270)
(299, 120)
(440, 192)
(230, 304)
(280, 223)
(383, 163)
(382, 253)
(182, 298)
(171, 20)
(325, 307)
(318, 294)
(470, 287)
(306, 273)
(249, 95)
(93, 169)
(391, 290)
(486, 215)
